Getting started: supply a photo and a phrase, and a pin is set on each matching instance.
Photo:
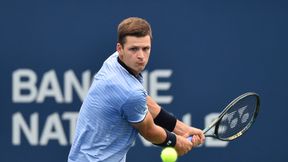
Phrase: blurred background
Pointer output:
(204, 54)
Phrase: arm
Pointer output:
(180, 128)
(150, 131)
(186, 131)
(153, 107)
(157, 135)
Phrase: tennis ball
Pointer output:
(169, 154)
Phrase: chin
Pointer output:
(142, 69)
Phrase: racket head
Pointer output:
(237, 117)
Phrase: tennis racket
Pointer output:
(237, 117)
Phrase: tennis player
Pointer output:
(117, 107)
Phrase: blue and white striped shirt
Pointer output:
(115, 99)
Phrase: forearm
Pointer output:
(181, 128)
(154, 134)
(161, 117)
(151, 131)
(169, 122)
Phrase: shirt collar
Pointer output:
(128, 69)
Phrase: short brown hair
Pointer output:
(133, 26)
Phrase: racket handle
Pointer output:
(189, 138)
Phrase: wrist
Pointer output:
(170, 140)
(182, 129)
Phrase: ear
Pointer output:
(119, 49)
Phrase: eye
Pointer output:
(134, 49)
(146, 49)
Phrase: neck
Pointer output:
(126, 67)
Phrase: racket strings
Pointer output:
(237, 119)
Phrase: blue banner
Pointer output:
(204, 54)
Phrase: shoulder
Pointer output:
(136, 97)
(110, 69)
(134, 108)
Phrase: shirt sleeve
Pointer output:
(135, 108)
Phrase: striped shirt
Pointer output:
(115, 99)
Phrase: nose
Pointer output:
(141, 54)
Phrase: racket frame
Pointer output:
(226, 109)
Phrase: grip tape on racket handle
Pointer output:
(189, 138)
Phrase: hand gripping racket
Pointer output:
(235, 119)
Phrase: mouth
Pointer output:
(141, 63)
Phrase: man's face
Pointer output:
(135, 52)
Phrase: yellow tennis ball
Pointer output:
(169, 154)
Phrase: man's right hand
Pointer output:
(183, 145)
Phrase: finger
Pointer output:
(197, 140)
(186, 135)
(202, 136)
(203, 139)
